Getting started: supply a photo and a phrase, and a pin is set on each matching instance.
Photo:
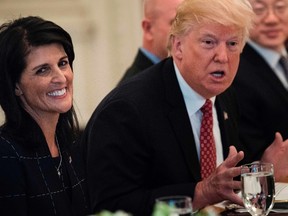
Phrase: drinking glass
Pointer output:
(258, 188)
(176, 205)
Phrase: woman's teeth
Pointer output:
(57, 92)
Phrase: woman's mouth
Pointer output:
(57, 93)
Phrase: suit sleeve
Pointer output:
(12, 190)
(119, 161)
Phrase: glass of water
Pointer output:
(175, 205)
(258, 188)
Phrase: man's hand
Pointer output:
(277, 154)
(220, 186)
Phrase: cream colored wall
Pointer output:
(106, 35)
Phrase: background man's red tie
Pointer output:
(207, 143)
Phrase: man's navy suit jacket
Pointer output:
(139, 142)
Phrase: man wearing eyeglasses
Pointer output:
(261, 82)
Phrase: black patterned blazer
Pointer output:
(29, 183)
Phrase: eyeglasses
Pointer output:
(262, 10)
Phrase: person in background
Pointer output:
(261, 82)
(146, 139)
(156, 24)
(40, 164)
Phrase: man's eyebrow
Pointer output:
(208, 35)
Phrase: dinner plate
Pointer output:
(281, 192)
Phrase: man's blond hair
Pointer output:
(238, 13)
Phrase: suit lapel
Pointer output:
(223, 119)
(227, 113)
(179, 119)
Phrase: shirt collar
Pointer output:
(271, 57)
(150, 55)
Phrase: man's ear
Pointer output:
(146, 27)
(177, 47)
(18, 90)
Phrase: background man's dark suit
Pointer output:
(140, 144)
(140, 63)
(263, 102)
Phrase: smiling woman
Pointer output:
(38, 151)
(45, 86)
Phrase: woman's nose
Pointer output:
(58, 75)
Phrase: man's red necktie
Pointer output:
(207, 143)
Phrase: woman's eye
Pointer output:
(42, 70)
(63, 63)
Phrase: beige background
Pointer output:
(106, 35)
